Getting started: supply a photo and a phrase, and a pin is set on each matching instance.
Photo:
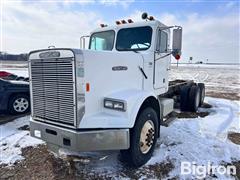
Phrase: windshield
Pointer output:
(130, 39)
(102, 41)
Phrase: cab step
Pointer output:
(168, 120)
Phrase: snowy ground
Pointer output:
(217, 78)
(18, 71)
(200, 140)
(13, 137)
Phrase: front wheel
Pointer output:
(143, 138)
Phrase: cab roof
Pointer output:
(153, 24)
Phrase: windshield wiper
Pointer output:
(135, 51)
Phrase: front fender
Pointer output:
(134, 99)
(109, 118)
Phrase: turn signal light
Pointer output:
(87, 87)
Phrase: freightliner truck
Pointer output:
(115, 94)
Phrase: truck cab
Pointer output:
(150, 40)
(112, 95)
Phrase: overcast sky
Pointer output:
(210, 28)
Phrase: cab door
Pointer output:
(162, 61)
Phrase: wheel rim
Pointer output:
(20, 105)
(147, 136)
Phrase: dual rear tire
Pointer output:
(191, 97)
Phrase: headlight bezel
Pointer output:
(115, 104)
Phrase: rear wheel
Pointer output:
(143, 138)
(194, 98)
(19, 104)
(184, 98)
(202, 93)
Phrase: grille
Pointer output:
(53, 90)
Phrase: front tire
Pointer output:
(143, 138)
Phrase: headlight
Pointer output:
(114, 104)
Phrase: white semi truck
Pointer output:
(114, 95)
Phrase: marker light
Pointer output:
(118, 22)
(103, 25)
(123, 21)
(130, 21)
(151, 18)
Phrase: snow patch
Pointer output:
(201, 140)
(13, 140)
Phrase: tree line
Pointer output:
(13, 57)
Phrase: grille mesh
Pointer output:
(53, 90)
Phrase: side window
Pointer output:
(98, 43)
(102, 41)
(162, 45)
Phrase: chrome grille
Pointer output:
(53, 90)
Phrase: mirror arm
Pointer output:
(163, 56)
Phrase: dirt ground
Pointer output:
(39, 163)
(234, 137)
(231, 96)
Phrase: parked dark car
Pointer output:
(14, 97)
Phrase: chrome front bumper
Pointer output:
(84, 140)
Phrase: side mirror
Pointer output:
(83, 40)
(177, 42)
